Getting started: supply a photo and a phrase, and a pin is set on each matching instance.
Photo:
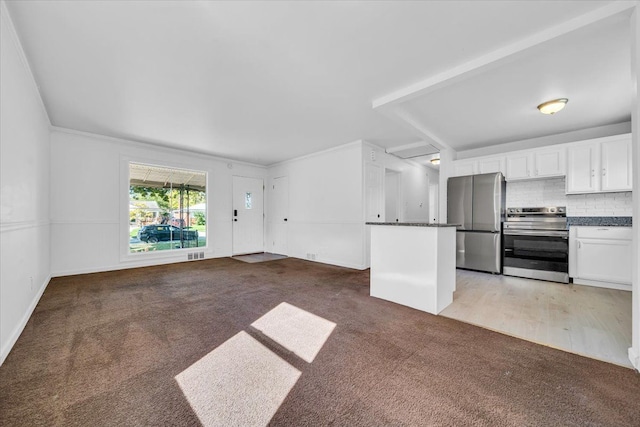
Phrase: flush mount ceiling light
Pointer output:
(435, 161)
(551, 107)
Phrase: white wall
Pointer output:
(89, 204)
(24, 190)
(325, 218)
(634, 351)
(414, 183)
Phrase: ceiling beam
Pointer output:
(499, 56)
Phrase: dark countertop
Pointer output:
(599, 221)
(412, 224)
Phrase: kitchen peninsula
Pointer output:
(413, 264)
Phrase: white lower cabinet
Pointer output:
(600, 256)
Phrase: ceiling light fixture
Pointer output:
(435, 161)
(551, 107)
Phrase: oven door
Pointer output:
(537, 250)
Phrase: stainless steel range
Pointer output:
(536, 243)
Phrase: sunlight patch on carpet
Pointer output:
(240, 383)
(295, 329)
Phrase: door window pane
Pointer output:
(248, 201)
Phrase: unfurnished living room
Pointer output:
(367, 213)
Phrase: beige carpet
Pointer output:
(142, 347)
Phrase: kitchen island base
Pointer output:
(413, 264)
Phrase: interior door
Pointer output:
(248, 215)
(391, 196)
(280, 221)
(375, 192)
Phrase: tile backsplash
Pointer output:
(601, 204)
(551, 192)
(534, 193)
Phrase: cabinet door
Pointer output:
(464, 167)
(550, 163)
(582, 164)
(518, 166)
(604, 260)
(616, 165)
(491, 165)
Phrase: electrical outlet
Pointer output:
(31, 282)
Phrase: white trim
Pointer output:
(6, 17)
(17, 331)
(85, 221)
(318, 153)
(327, 222)
(634, 358)
(598, 284)
(9, 226)
(132, 265)
(126, 256)
(498, 56)
(156, 145)
(334, 262)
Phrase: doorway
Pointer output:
(280, 216)
(391, 195)
(434, 208)
(248, 215)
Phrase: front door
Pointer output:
(248, 218)
(280, 215)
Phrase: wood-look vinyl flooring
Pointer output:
(591, 321)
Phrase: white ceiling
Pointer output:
(591, 67)
(268, 81)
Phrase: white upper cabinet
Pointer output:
(616, 165)
(479, 165)
(582, 165)
(549, 163)
(491, 165)
(600, 166)
(465, 167)
(519, 166)
(539, 163)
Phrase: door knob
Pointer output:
(285, 219)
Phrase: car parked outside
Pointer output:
(177, 222)
(162, 233)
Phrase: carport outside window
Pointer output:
(167, 208)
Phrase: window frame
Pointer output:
(124, 230)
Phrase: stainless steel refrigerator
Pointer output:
(477, 204)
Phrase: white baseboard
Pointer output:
(334, 262)
(634, 358)
(4, 352)
(596, 283)
(130, 265)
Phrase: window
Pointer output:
(248, 201)
(167, 208)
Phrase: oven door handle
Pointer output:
(542, 233)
